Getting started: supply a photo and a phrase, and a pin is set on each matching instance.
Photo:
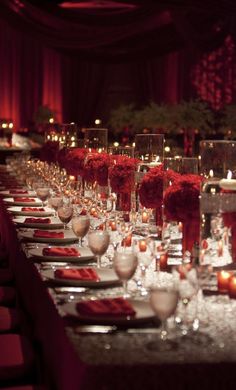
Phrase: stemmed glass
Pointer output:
(42, 192)
(55, 202)
(125, 263)
(98, 242)
(80, 226)
(164, 301)
(65, 213)
(186, 277)
(145, 256)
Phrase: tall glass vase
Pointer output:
(218, 202)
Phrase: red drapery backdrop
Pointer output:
(68, 63)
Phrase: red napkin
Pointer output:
(55, 251)
(32, 209)
(47, 234)
(107, 306)
(77, 274)
(37, 220)
(24, 200)
(18, 192)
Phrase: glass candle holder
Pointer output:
(95, 139)
(218, 202)
(122, 150)
(149, 148)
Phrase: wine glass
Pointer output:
(80, 226)
(65, 213)
(98, 242)
(125, 263)
(164, 301)
(55, 202)
(42, 192)
(188, 286)
(145, 256)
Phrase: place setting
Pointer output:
(38, 222)
(31, 211)
(23, 201)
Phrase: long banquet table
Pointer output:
(121, 359)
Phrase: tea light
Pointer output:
(72, 178)
(228, 184)
(144, 217)
(142, 246)
(180, 227)
(232, 287)
(113, 226)
(92, 211)
(163, 261)
(127, 241)
(223, 278)
(220, 248)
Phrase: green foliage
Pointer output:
(169, 119)
(192, 115)
(43, 114)
(122, 117)
(228, 120)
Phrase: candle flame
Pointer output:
(229, 175)
(211, 173)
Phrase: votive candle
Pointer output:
(232, 286)
(223, 278)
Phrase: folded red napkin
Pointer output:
(24, 200)
(77, 274)
(18, 192)
(37, 220)
(57, 251)
(47, 234)
(32, 209)
(107, 306)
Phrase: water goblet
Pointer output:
(145, 256)
(43, 192)
(80, 226)
(98, 242)
(55, 202)
(164, 301)
(125, 263)
(65, 213)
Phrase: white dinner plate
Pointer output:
(85, 255)
(69, 236)
(55, 223)
(107, 277)
(13, 202)
(17, 211)
(8, 194)
(144, 313)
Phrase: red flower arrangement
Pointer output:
(181, 203)
(49, 151)
(121, 174)
(74, 161)
(152, 184)
(96, 168)
(181, 199)
(122, 179)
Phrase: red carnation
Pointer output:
(121, 174)
(152, 184)
(181, 199)
(96, 168)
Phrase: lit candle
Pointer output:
(163, 261)
(113, 226)
(223, 280)
(232, 287)
(180, 227)
(220, 248)
(144, 217)
(72, 178)
(229, 183)
(142, 246)
(127, 241)
(92, 211)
